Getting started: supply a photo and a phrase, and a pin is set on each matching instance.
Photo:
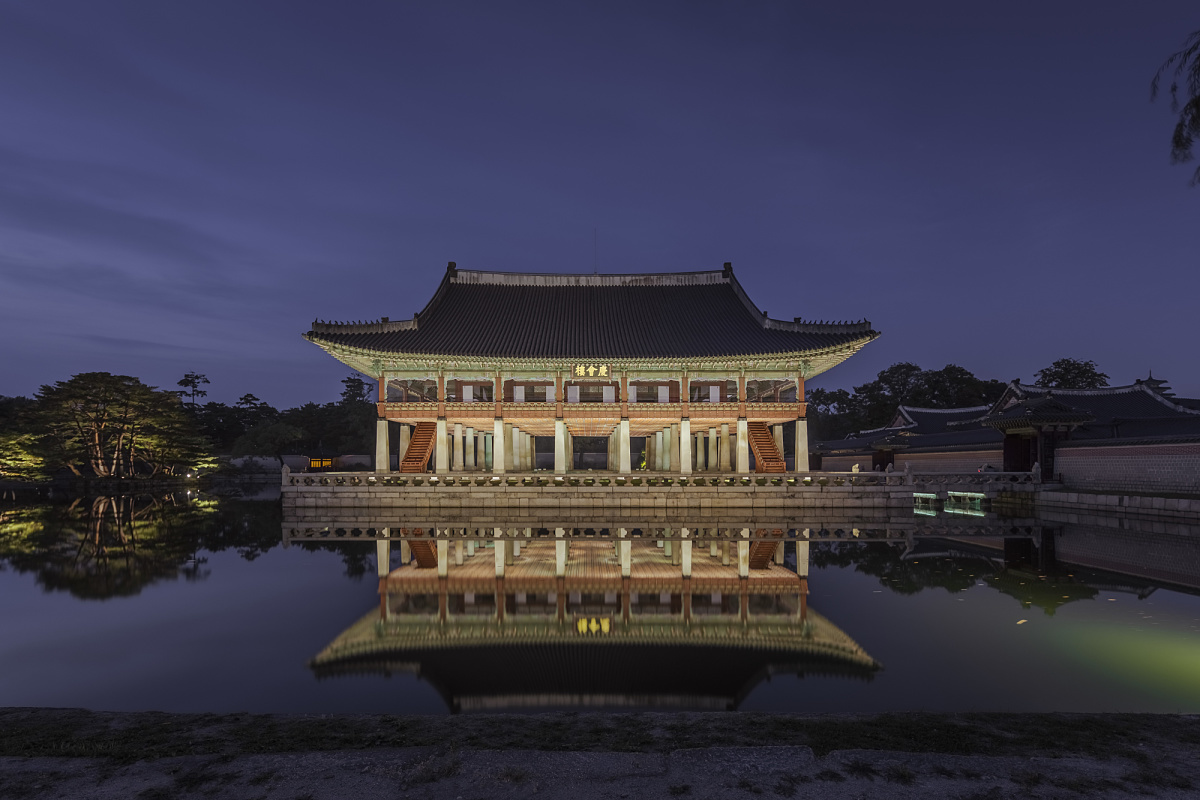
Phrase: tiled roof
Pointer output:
(493, 314)
(1137, 400)
(1038, 410)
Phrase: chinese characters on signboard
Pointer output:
(590, 371)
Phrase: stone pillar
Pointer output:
(560, 447)
(673, 447)
(651, 452)
(713, 463)
(658, 450)
(402, 449)
(443, 551)
(441, 451)
(382, 454)
(383, 557)
(743, 446)
(685, 545)
(458, 553)
(570, 451)
(470, 548)
(802, 445)
(505, 448)
(469, 450)
(777, 432)
(405, 552)
(623, 459)
(495, 447)
(725, 553)
(457, 462)
(779, 553)
(501, 551)
(685, 446)
(700, 467)
(726, 448)
(802, 557)
(743, 554)
(560, 553)
(624, 546)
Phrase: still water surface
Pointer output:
(179, 603)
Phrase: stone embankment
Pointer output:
(51, 753)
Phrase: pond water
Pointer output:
(193, 603)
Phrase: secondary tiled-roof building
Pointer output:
(1138, 437)
(682, 370)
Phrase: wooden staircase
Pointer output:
(420, 448)
(763, 550)
(424, 551)
(767, 457)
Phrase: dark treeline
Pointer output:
(114, 426)
(836, 413)
(99, 425)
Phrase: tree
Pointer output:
(115, 426)
(1071, 373)
(191, 383)
(1184, 66)
(357, 390)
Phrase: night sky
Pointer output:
(186, 186)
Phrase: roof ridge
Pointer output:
(496, 278)
(945, 410)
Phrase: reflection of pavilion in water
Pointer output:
(641, 618)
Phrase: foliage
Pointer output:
(104, 547)
(1071, 373)
(115, 426)
(268, 439)
(885, 561)
(1184, 66)
(191, 383)
(835, 413)
(20, 459)
(357, 390)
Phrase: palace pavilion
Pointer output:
(512, 372)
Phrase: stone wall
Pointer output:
(963, 461)
(1159, 468)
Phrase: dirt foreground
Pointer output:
(153, 756)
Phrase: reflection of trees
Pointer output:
(883, 560)
(105, 547)
(1047, 592)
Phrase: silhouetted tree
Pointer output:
(191, 383)
(1071, 373)
(1183, 66)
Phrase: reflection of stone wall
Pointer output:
(1166, 468)
(963, 461)
(1173, 559)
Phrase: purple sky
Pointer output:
(185, 186)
